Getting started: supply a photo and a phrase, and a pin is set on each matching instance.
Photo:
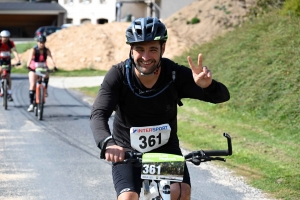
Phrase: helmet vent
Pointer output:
(146, 29)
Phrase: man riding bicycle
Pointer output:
(144, 91)
(6, 47)
(38, 58)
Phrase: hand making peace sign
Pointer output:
(202, 75)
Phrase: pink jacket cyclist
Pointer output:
(38, 59)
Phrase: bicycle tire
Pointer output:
(35, 105)
(2, 92)
(5, 93)
(35, 109)
(41, 103)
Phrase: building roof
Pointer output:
(26, 7)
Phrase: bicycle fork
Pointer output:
(159, 191)
(3, 76)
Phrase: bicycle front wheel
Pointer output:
(4, 86)
(40, 105)
(35, 109)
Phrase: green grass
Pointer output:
(22, 47)
(81, 72)
(259, 63)
(90, 91)
(60, 72)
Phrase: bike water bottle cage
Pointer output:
(135, 89)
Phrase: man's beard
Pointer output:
(146, 71)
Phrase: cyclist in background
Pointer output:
(38, 58)
(6, 47)
(144, 91)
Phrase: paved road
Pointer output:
(57, 158)
(22, 40)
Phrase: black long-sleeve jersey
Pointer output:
(134, 111)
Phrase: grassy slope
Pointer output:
(260, 65)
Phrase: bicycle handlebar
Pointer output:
(13, 65)
(195, 157)
(227, 152)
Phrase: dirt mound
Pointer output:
(101, 46)
(88, 46)
(216, 17)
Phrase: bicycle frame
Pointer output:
(4, 84)
(39, 84)
(195, 157)
(40, 94)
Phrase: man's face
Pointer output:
(146, 55)
(4, 39)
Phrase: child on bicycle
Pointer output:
(6, 47)
(38, 58)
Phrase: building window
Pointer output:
(69, 21)
(102, 21)
(85, 21)
(85, 1)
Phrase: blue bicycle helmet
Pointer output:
(146, 29)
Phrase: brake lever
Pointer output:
(195, 161)
(219, 158)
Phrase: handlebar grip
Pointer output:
(133, 155)
(227, 152)
(209, 153)
(216, 152)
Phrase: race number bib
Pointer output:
(162, 166)
(41, 70)
(5, 54)
(147, 138)
(40, 65)
(5, 67)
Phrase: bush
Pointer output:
(291, 7)
(264, 6)
(195, 20)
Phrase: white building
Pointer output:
(103, 11)
(93, 11)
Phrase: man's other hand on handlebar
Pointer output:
(114, 153)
